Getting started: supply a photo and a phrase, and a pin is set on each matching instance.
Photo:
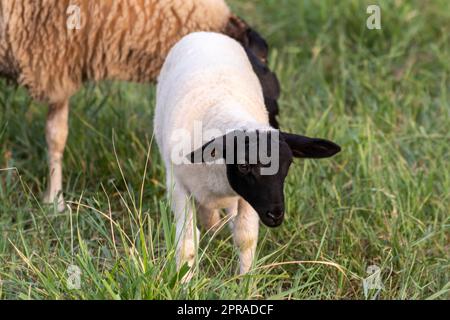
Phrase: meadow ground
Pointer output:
(382, 94)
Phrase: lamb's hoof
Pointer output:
(55, 202)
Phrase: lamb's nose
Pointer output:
(276, 214)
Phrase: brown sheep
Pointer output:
(116, 39)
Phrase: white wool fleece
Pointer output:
(207, 77)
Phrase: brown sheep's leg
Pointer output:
(56, 132)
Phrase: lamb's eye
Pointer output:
(244, 168)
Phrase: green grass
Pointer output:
(382, 94)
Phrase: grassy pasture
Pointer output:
(384, 95)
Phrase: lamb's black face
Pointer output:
(263, 192)
(258, 177)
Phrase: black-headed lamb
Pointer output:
(120, 39)
(220, 152)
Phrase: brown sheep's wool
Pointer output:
(117, 39)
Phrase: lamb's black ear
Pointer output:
(209, 152)
(304, 147)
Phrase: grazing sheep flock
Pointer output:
(121, 39)
(220, 152)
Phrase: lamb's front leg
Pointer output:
(57, 129)
(245, 233)
(187, 234)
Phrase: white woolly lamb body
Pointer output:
(208, 79)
